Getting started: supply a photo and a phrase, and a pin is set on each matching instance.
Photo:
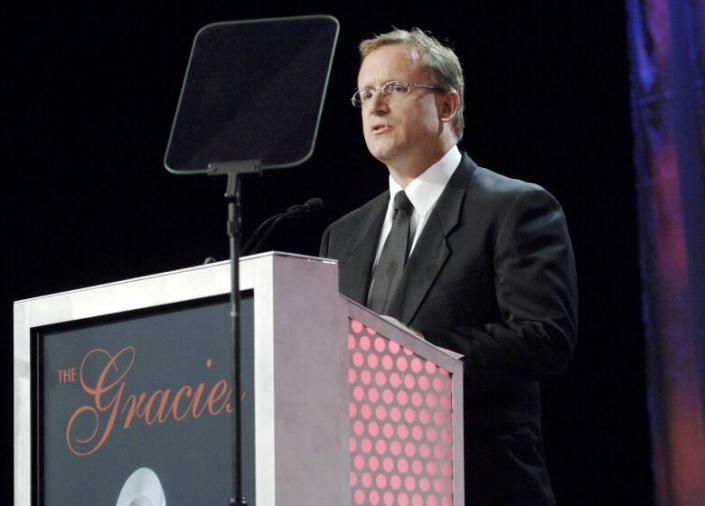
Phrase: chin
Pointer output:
(383, 153)
(383, 156)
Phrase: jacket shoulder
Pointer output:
(349, 228)
(492, 188)
(486, 180)
(354, 218)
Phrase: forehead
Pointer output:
(394, 61)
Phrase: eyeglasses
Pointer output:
(393, 88)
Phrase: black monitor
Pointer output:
(253, 90)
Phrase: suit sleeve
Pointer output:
(536, 290)
(323, 250)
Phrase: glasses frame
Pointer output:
(388, 89)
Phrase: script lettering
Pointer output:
(89, 427)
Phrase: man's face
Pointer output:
(400, 131)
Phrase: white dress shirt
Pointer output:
(423, 192)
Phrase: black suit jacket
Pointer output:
(492, 276)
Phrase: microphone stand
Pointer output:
(234, 227)
(260, 236)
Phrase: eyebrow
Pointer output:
(382, 84)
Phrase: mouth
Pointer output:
(381, 128)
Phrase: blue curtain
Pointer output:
(667, 50)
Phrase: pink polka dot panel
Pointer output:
(401, 418)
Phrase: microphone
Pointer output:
(310, 206)
(263, 232)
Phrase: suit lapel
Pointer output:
(361, 250)
(431, 251)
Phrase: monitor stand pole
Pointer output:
(232, 196)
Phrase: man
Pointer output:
(490, 273)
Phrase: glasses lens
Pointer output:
(395, 87)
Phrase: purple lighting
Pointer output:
(668, 110)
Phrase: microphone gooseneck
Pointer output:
(262, 233)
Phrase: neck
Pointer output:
(405, 175)
(405, 171)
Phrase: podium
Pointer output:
(124, 390)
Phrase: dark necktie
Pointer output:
(393, 258)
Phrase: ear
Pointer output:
(449, 105)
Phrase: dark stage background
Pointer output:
(88, 99)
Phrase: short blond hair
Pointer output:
(437, 59)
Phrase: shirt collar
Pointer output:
(424, 190)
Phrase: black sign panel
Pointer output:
(139, 407)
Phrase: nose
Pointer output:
(378, 104)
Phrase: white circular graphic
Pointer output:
(142, 488)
